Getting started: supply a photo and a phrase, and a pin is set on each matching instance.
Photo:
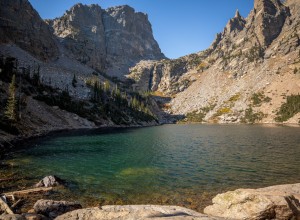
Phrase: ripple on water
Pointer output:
(173, 164)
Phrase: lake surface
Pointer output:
(171, 164)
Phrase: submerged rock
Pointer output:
(53, 209)
(50, 181)
(135, 212)
(33, 216)
(275, 202)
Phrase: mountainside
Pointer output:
(20, 24)
(109, 40)
(60, 77)
(250, 73)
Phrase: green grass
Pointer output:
(222, 111)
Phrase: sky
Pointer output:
(180, 27)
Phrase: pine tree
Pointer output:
(11, 108)
(135, 103)
(106, 86)
(36, 76)
(74, 81)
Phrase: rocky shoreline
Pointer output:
(276, 202)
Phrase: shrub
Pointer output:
(235, 98)
(258, 98)
(255, 53)
(198, 116)
(288, 109)
(223, 111)
(251, 117)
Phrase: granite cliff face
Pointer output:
(257, 56)
(21, 25)
(269, 17)
(81, 32)
(109, 40)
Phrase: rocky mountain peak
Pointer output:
(110, 40)
(237, 14)
(121, 8)
(125, 10)
(235, 25)
(79, 7)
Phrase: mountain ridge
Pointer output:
(108, 40)
(218, 84)
(251, 56)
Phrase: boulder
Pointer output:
(52, 209)
(11, 217)
(135, 212)
(275, 202)
(50, 181)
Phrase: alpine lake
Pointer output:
(184, 165)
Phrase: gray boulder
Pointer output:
(50, 181)
(135, 212)
(53, 209)
(275, 202)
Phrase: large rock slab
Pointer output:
(135, 212)
(265, 203)
(11, 217)
(53, 209)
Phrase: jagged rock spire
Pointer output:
(237, 14)
(235, 24)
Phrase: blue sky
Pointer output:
(180, 27)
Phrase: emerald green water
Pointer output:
(171, 164)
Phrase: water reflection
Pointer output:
(149, 165)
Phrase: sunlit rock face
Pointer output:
(270, 16)
(109, 40)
